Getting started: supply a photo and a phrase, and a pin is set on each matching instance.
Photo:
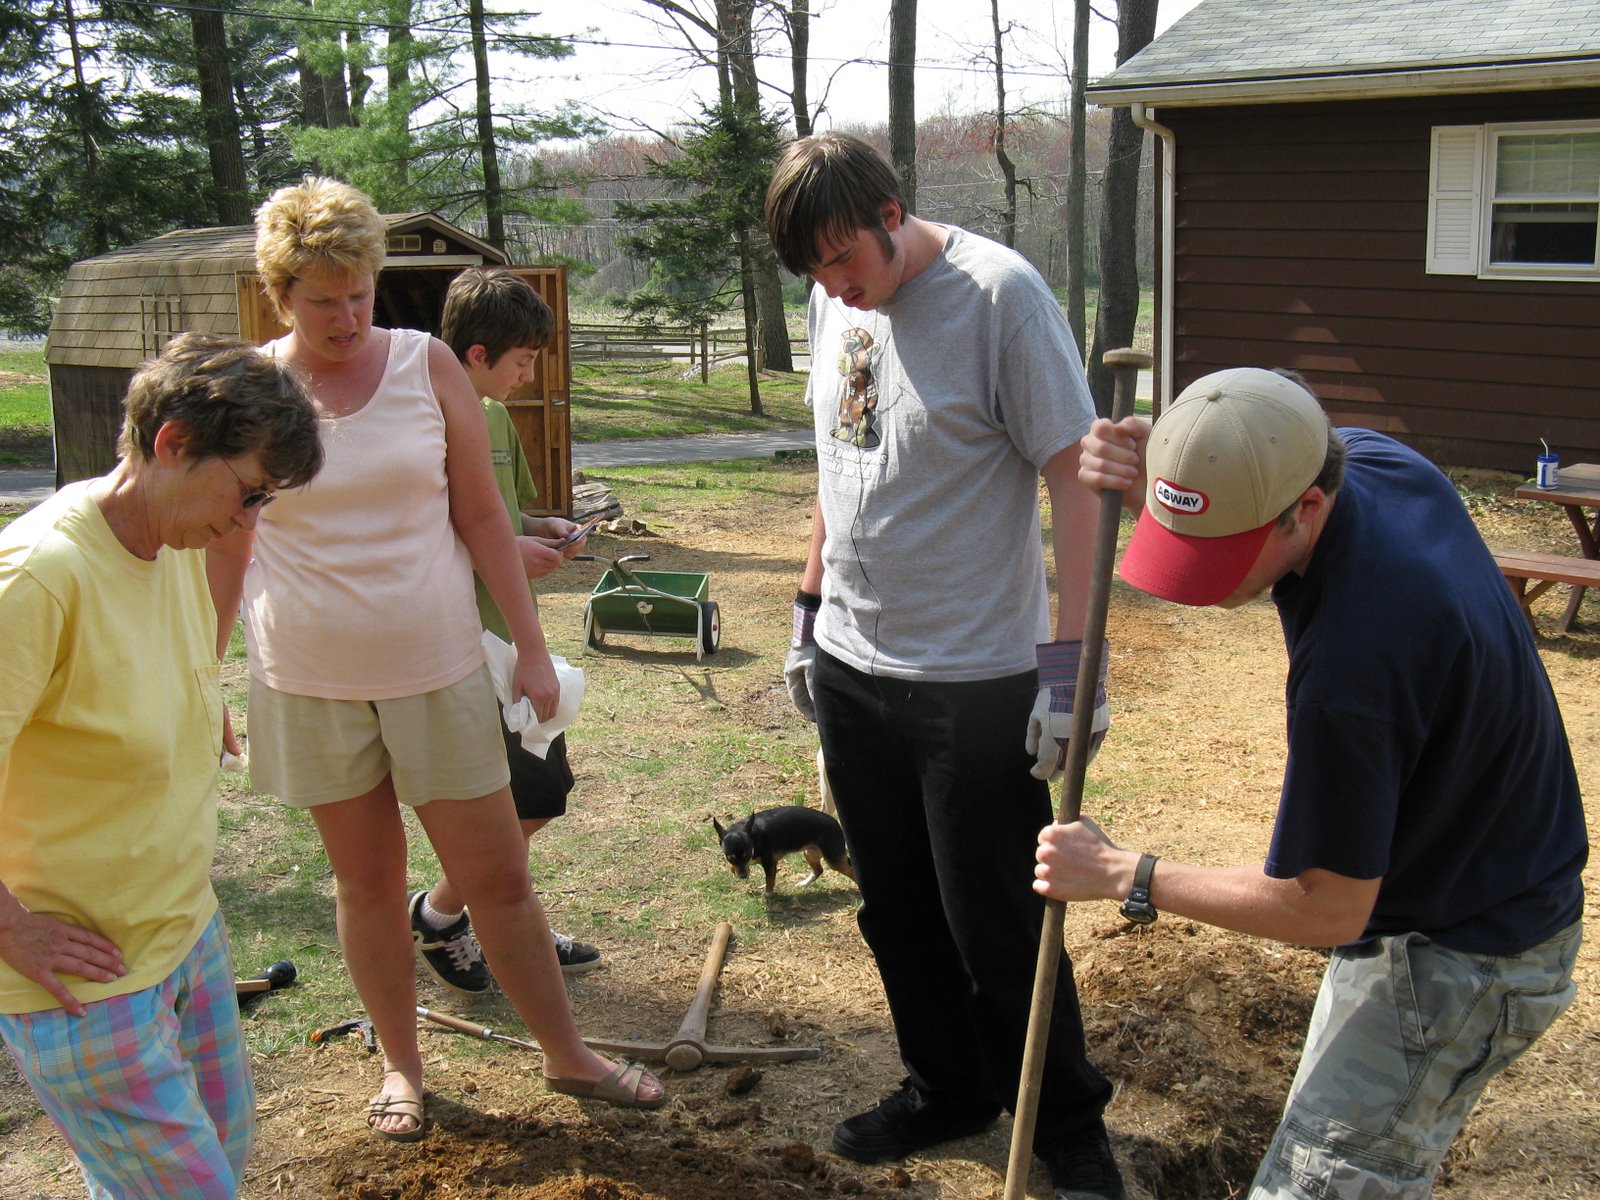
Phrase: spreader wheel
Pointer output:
(710, 628)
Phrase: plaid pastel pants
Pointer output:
(152, 1090)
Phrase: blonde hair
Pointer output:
(318, 222)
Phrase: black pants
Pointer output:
(942, 819)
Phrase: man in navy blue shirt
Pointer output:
(1430, 826)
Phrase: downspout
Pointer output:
(1164, 301)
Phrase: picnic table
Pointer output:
(1577, 491)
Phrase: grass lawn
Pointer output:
(24, 407)
(613, 401)
(25, 360)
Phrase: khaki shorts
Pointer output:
(441, 745)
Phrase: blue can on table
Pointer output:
(1549, 472)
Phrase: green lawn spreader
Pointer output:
(653, 603)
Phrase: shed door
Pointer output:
(541, 410)
(258, 320)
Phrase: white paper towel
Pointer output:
(536, 735)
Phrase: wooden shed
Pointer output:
(118, 309)
(1398, 198)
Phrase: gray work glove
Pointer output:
(798, 666)
(1050, 723)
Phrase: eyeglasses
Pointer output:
(254, 497)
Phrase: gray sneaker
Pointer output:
(577, 958)
(451, 955)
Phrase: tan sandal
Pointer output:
(385, 1105)
(620, 1088)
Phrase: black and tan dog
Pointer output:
(770, 835)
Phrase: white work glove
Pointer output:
(1050, 723)
(802, 659)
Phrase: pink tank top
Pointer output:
(360, 588)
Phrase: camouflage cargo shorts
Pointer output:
(1404, 1037)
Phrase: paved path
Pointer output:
(25, 487)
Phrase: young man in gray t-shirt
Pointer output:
(945, 382)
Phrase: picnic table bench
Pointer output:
(1576, 491)
(1524, 567)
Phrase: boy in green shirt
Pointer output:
(497, 324)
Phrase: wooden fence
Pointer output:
(707, 344)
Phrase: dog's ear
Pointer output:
(717, 825)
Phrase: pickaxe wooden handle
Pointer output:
(687, 1049)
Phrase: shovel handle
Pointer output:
(1127, 364)
(477, 1031)
(456, 1023)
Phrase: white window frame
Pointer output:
(1461, 182)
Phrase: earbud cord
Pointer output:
(861, 493)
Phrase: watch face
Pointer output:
(1140, 912)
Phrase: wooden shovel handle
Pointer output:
(456, 1023)
(1127, 364)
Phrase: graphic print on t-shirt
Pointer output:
(858, 393)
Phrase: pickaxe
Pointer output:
(688, 1048)
(684, 1051)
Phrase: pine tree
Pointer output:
(433, 135)
(693, 241)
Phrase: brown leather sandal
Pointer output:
(620, 1088)
(384, 1105)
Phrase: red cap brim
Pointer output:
(1189, 570)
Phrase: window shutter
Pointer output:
(1455, 213)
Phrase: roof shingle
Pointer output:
(1285, 39)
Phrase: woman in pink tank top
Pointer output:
(367, 679)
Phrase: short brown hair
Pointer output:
(830, 185)
(232, 398)
(317, 222)
(497, 309)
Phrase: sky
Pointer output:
(637, 78)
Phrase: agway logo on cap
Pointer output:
(1180, 500)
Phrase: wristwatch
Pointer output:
(1137, 907)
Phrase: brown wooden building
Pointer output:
(1399, 199)
(118, 309)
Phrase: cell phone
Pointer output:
(578, 532)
